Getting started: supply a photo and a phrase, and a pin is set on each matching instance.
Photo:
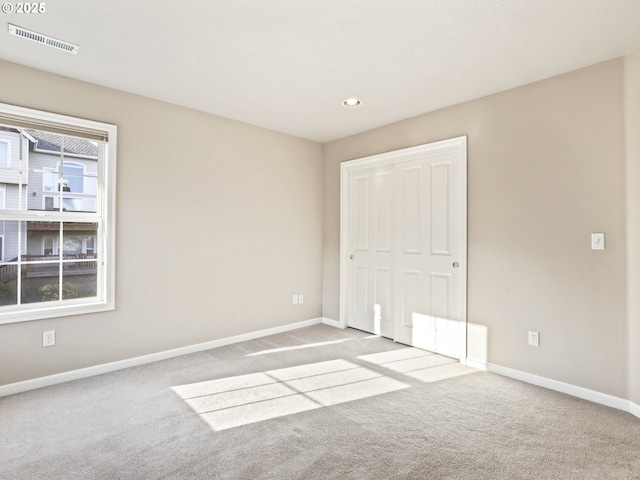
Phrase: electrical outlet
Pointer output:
(534, 338)
(295, 299)
(300, 299)
(49, 338)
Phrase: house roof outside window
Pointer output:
(51, 143)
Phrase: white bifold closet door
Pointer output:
(406, 229)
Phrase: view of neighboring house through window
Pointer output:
(5, 149)
(2, 257)
(56, 207)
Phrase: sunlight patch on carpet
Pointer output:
(297, 347)
(419, 364)
(235, 401)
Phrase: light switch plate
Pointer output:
(597, 241)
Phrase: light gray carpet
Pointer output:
(315, 403)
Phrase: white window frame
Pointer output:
(8, 142)
(104, 300)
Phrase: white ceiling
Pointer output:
(287, 64)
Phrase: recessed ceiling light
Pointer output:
(351, 102)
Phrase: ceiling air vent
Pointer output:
(43, 39)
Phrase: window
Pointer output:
(57, 225)
(49, 246)
(5, 152)
(90, 245)
(78, 181)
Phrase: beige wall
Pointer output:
(632, 110)
(546, 167)
(219, 224)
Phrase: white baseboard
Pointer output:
(580, 392)
(569, 389)
(474, 364)
(18, 387)
(333, 323)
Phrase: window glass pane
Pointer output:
(91, 205)
(79, 279)
(90, 185)
(72, 179)
(14, 238)
(62, 174)
(9, 265)
(72, 245)
(91, 246)
(77, 203)
(10, 163)
(4, 154)
(79, 240)
(49, 179)
(43, 239)
(80, 147)
(49, 245)
(72, 204)
(80, 260)
(40, 271)
(72, 168)
(8, 289)
(40, 283)
(40, 266)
